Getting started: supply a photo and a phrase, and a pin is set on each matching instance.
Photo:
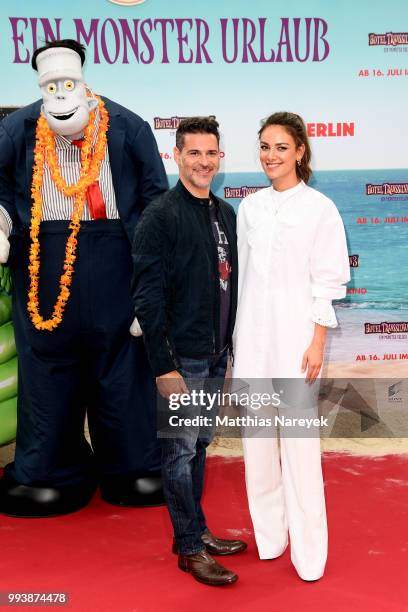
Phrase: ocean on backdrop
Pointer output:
(381, 244)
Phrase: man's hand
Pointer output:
(4, 247)
(170, 383)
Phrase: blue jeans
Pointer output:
(183, 458)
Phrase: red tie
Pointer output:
(94, 196)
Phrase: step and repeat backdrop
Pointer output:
(342, 66)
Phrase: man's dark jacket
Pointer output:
(137, 169)
(175, 286)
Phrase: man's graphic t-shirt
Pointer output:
(224, 270)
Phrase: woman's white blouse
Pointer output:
(293, 262)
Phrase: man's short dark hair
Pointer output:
(196, 125)
(70, 43)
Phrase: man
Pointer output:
(76, 171)
(185, 295)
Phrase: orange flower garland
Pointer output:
(90, 164)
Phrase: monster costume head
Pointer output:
(66, 103)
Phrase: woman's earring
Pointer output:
(298, 162)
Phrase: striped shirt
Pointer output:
(55, 205)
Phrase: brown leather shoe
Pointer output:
(205, 569)
(217, 546)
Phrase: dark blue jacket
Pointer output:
(137, 169)
(176, 287)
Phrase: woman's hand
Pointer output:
(312, 360)
(313, 356)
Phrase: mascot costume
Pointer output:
(76, 171)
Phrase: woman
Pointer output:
(293, 262)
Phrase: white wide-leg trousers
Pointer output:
(286, 492)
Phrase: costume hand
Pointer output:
(170, 383)
(135, 328)
(312, 360)
(4, 247)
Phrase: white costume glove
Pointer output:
(4, 247)
(135, 329)
(5, 229)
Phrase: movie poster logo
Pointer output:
(232, 193)
(354, 261)
(170, 123)
(390, 189)
(167, 123)
(394, 327)
(388, 39)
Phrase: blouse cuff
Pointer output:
(323, 312)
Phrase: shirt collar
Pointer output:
(180, 188)
(288, 193)
(65, 142)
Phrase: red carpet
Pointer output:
(113, 559)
